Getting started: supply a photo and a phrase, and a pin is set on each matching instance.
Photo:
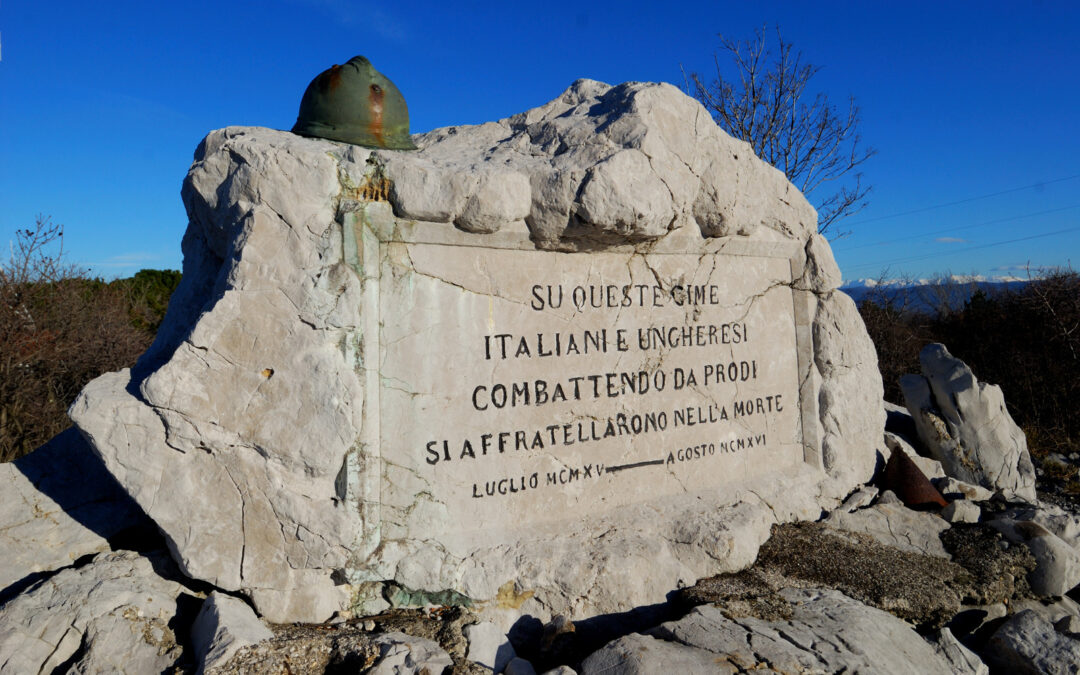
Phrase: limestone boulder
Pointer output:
(401, 654)
(962, 659)
(961, 511)
(958, 489)
(488, 646)
(58, 504)
(1064, 524)
(242, 431)
(1053, 610)
(826, 632)
(1028, 643)
(965, 425)
(1057, 568)
(224, 626)
(114, 614)
(895, 525)
(852, 414)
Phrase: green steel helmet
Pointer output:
(357, 104)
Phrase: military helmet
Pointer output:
(357, 104)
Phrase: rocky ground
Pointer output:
(831, 596)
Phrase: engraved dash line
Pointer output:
(621, 467)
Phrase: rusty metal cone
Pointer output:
(910, 484)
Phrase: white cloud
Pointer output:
(951, 240)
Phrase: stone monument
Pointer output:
(564, 362)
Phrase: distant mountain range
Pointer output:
(928, 294)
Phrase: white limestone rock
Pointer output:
(951, 488)
(639, 654)
(1052, 610)
(488, 646)
(893, 524)
(850, 395)
(1057, 565)
(57, 504)
(401, 654)
(930, 467)
(223, 627)
(861, 498)
(1064, 524)
(961, 511)
(827, 632)
(963, 660)
(1068, 625)
(965, 425)
(241, 432)
(822, 273)
(239, 543)
(115, 611)
(900, 422)
(1028, 643)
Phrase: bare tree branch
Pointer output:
(767, 104)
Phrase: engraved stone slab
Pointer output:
(278, 430)
(518, 386)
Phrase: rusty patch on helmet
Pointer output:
(375, 104)
(330, 79)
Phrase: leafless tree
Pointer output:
(767, 103)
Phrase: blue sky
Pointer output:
(103, 104)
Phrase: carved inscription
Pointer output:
(526, 385)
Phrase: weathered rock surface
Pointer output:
(931, 468)
(1057, 569)
(240, 431)
(958, 489)
(959, 657)
(826, 632)
(1027, 643)
(110, 615)
(1049, 609)
(961, 511)
(965, 425)
(895, 525)
(488, 646)
(861, 498)
(922, 589)
(224, 626)
(1062, 523)
(57, 504)
(401, 654)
